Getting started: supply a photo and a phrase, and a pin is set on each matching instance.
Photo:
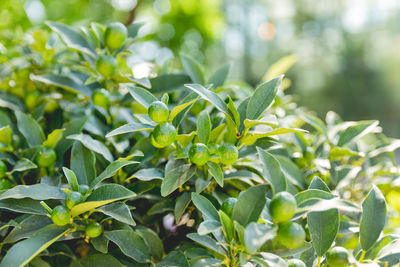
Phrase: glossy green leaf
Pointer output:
(53, 138)
(23, 165)
(174, 258)
(100, 243)
(71, 178)
(256, 234)
(83, 162)
(30, 129)
(193, 69)
(142, 96)
(323, 226)
(130, 128)
(206, 208)
(178, 109)
(203, 127)
(291, 171)
(356, 131)
(119, 211)
(35, 191)
(317, 183)
(153, 242)
(168, 82)
(312, 194)
(111, 170)
(227, 225)
(148, 174)
(103, 195)
(209, 226)
(182, 202)
(73, 127)
(25, 205)
(208, 242)
(219, 77)
(93, 145)
(262, 98)
(215, 171)
(176, 177)
(250, 204)
(373, 218)
(96, 260)
(315, 122)
(272, 171)
(64, 82)
(30, 225)
(130, 243)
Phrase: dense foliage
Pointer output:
(177, 169)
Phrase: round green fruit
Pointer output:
(3, 169)
(295, 263)
(106, 66)
(154, 143)
(6, 135)
(46, 157)
(32, 99)
(73, 198)
(291, 234)
(338, 257)
(93, 229)
(5, 184)
(115, 35)
(228, 153)
(83, 189)
(282, 207)
(158, 112)
(101, 98)
(198, 154)
(60, 215)
(164, 134)
(228, 205)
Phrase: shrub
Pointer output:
(176, 169)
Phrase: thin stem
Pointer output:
(362, 256)
(319, 261)
(49, 210)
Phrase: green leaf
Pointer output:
(134, 28)
(312, 194)
(323, 226)
(182, 202)
(205, 262)
(30, 129)
(212, 98)
(71, 178)
(148, 174)
(252, 137)
(142, 96)
(130, 128)
(219, 77)
(178, 109)
(64, 82)
(103, 195)
(256, 234)
(291, 171)
(185, 139)
(373, 218)
(93, 145)
(111, 170)
(83, 162)
(234, 111)
(53, 138)
(205, 207)
(97, 260)
(270, 259)
(357, 131)
(250, 204)
(317, 183)
(272, 171)
(168, 82)
(25, 205)
(35, 191)
(119, 211)
(215, 171)
(23, 252)
(262, 98)
(75, 126)
(153, 242)
(100, 243)
(227, 225)
(174, 259)
(204, 127)
(315, 122)
(193, 69)
(208, 242)
(72, 38)
(176, 177)
(208, 226)
(30, 225)
(23, 165)
(130, 243)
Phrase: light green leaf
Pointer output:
(35, 191)
(250, 204)
(130, 243)
(272, 171)
(312, 193)
(142, 96)
(71, 178)
(209, 226)
(227, 225)
(262, 98)
(206, 208)
(318, 183)
(324, 226)
(130, 128)
(119, 211)
(357, 131)
(185, 139)
(234, 111)
(176, 177)
(23, 252)
(25, 205)
(103, 195)
(64, 82)
(93, 145)
(83, 163)
(53, 138)
(215, 171)
(193, 69)
(291, 171)
(178, 109)
(203, 127)
(219, 77)
(373, 218)
(30, 129)
(148, 174)
(208, 242)
(252, 137)
(111, 170)
(256, 234)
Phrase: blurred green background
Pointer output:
(347, 51)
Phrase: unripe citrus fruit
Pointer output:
(291, 234)
(51, 105)
(101, 98)
(164, 134)
(282, 207)
(46, 157)
(60, 215)
(158, 112)
(93, 229)
(295, 263)
(338, 257)
(115, 35)
(5, 184)
(198, 154)
(106, 66)
(6, 135)
(32, 99)
(228, 153)
(73, 198)
(227, 206)
(3, 169)
(153, 142)
(83, 188)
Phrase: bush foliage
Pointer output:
(100, 167)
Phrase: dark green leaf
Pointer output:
(119, 211)
(130, 128)
(152, 241)
(30, 129)
(182, 202)
(93, 145)
(272, 171)
(174, 259)
(176, 177)
(83, 162)
(215, 171)
(111, 170)
(205, 207)
(208, 242)
(25, 205)
(36, 191)
(64, 82)
(204, 127)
